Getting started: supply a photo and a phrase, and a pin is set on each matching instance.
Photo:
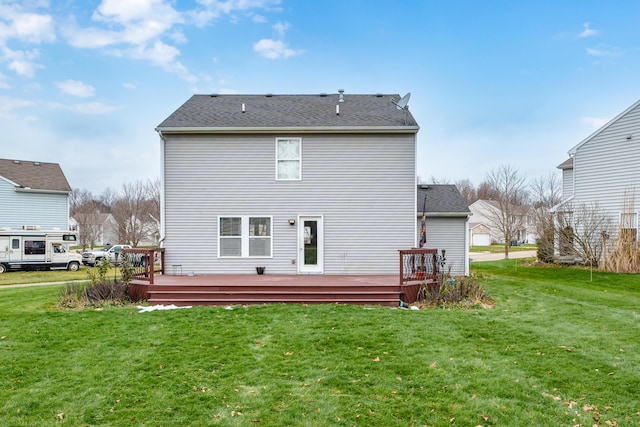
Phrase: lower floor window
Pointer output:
(244, 236)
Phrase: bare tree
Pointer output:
(545, 194)
(136, 210)
(510, 197)
(467, 190)
(581, 230)
(435, 180)
(85, 210)
(486, 192)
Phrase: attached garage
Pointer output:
(480, 234)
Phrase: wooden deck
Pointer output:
(223, 289)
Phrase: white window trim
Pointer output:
(299, 158)
(635, 219)
(244, 236)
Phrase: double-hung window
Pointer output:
(288, 159)
(245, 237)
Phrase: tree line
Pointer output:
(135, 209)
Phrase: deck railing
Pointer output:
(418, 267)
(146, 262)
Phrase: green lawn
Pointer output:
(20, 277)
(497, 248)
(556, 350)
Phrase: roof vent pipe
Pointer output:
(243, 110)
(337, 109)
(341, 92)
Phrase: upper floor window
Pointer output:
(289, 159)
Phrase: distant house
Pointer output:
(604, 168)
(447, 223)
(486, 214)
(479, 234)
(299, 184)
(33, 194)
(98, 230)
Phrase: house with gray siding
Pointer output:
(33, 194)
(447, 224)
(298, 184)
(604, 168)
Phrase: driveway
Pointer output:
(488, 256)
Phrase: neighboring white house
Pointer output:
(103, 229)
(604, 168)
(299, 184)
(479, 234)
(447, 224)
(485, 213)
(33, 194)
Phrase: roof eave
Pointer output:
(36, 190)
(446, 214)
(290, 129)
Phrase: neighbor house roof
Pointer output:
(321, 112)
(441, 200)
(567, 164)
(36, 176)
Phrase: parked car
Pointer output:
(112, 253)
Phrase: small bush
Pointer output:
(107, 292)
(448, 291)
(71, 296)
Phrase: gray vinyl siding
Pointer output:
(567, 183)
(608, 165)
(449, 234)
(31, 208)
(362, 185)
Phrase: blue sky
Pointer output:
(84, 83)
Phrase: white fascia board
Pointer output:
(15, 184)
(555, 208)
(446, 214)
(292, 129)
(35, 190)
(573, 150)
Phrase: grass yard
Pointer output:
(499, 248)
(556, 350)
(20, 277)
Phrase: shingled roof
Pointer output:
(265, 112)
(442, 199)
(34, 175)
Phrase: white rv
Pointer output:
(35, 249)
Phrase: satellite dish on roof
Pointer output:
(403, 103)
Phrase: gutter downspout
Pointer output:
(162, 191)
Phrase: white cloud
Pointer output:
(274, 49)
(21, 61)
(3, 82)
(76, 88)
(130, 86)
(88, 108)
(215, 8)
(26, 27)
(603, 50)
(281, 28)
(595, 122)
(8, 104)
(588, 32)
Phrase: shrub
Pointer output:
(71, 296)
(454, 291)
